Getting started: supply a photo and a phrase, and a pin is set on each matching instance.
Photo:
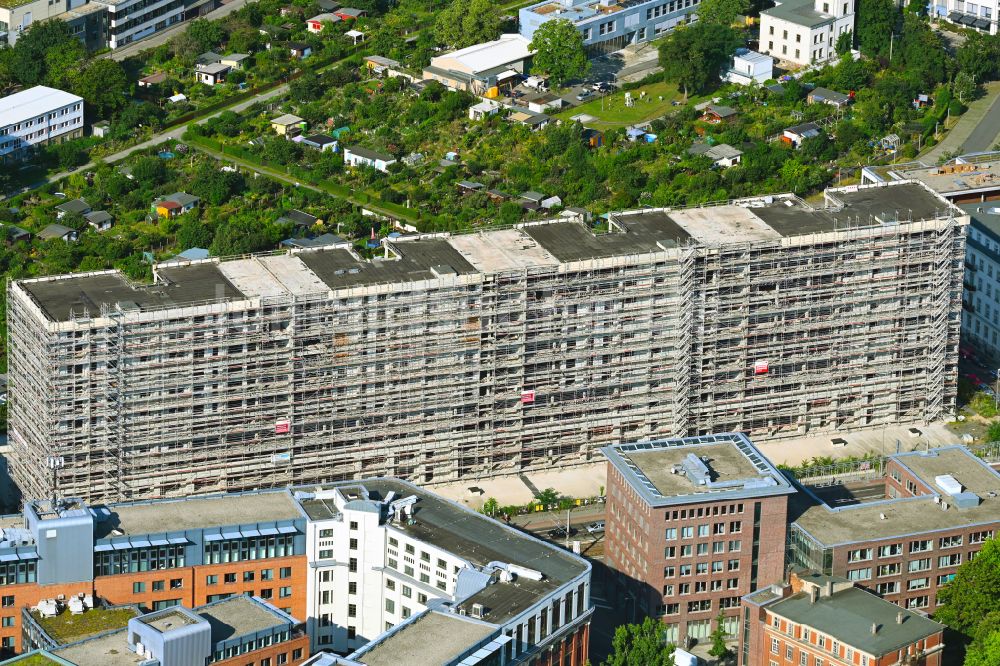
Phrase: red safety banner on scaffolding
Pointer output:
(282, 427)
(527, 397)
(760, 367)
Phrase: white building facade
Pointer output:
(37, 117)
(132, 20)
(378, 558)
(805, 32)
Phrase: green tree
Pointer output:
(719, 648)
(207, 34)
(559, 51)
(974, 592)
(491, 507)
(194, 233)
(921, 52)
(28, 62)
(876, 20)
(641, 645)
(917, 8)
(467, 22)
(547, 496)
(722, 12)
(103, 86)
(63, 62)
(149, 171)
(964, 87)
(695, 56)
(979, 56)
(985, 647)
(243, 233)
(845, 42)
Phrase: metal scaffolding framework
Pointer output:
(470, 376)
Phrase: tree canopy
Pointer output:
(974, 593)
(467, 22)
(104, 86)
(559, 51)
(876, 21)
(695, 56)
(722, 12)
(641, 645)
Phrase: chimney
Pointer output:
(829, 588)
(813, 594)
(899, 617)
(874, 628)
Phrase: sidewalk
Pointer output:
(589, 480)
(986, 110)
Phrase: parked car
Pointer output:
(595, 528)
(584, 95)
(560, 532)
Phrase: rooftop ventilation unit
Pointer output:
(948, 483)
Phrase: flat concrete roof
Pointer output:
(501, 250)
(543, 244)
(689, 470)
(432, 638)
(107, 650)
(239, 616)
(168, 621)
(479, 540)
(909, 515)
(199, 513)
(965, 173)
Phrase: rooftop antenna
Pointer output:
(55, 463)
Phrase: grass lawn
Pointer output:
(66, 627)
(611, 111)
(34, 660)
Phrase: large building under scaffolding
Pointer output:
(457, 357)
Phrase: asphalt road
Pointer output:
(986, 132)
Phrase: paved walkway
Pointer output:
(976, 130)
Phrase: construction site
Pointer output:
(461, 357)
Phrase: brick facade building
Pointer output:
(693, 525)
(820, 620)
(938, 508)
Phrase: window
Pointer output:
(952, 560)
(859, 555)
(138, 588)
(176, 583)
(351, 632)
(390, 606)
(267, 593)
(9, 621)
(920, 546)
(703, 530)
(421, 598)
(229, 578)
(425, 578)
(919, 565)
(917, 583)
(352, 587)
(918, 602)
(211, 580)
(247, 576)
(352, 544)
(980, 537)
(889, 569)
(775, 645)
(159, 585)
(890, 550)
(859, 574)
(352, 564)
(950, 542)
(354, 524)
(887, 588)
(734, 546)
(407, 591)
(945, 579)
(671, 534)
(284, 592)
(267, 574)
(285, 572)
(390, 584)
(352, 610)
(687, 532)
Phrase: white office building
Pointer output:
(36, 117)
(382, 552)
(804, 32)
(132, 20)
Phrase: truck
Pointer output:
(538, 83)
